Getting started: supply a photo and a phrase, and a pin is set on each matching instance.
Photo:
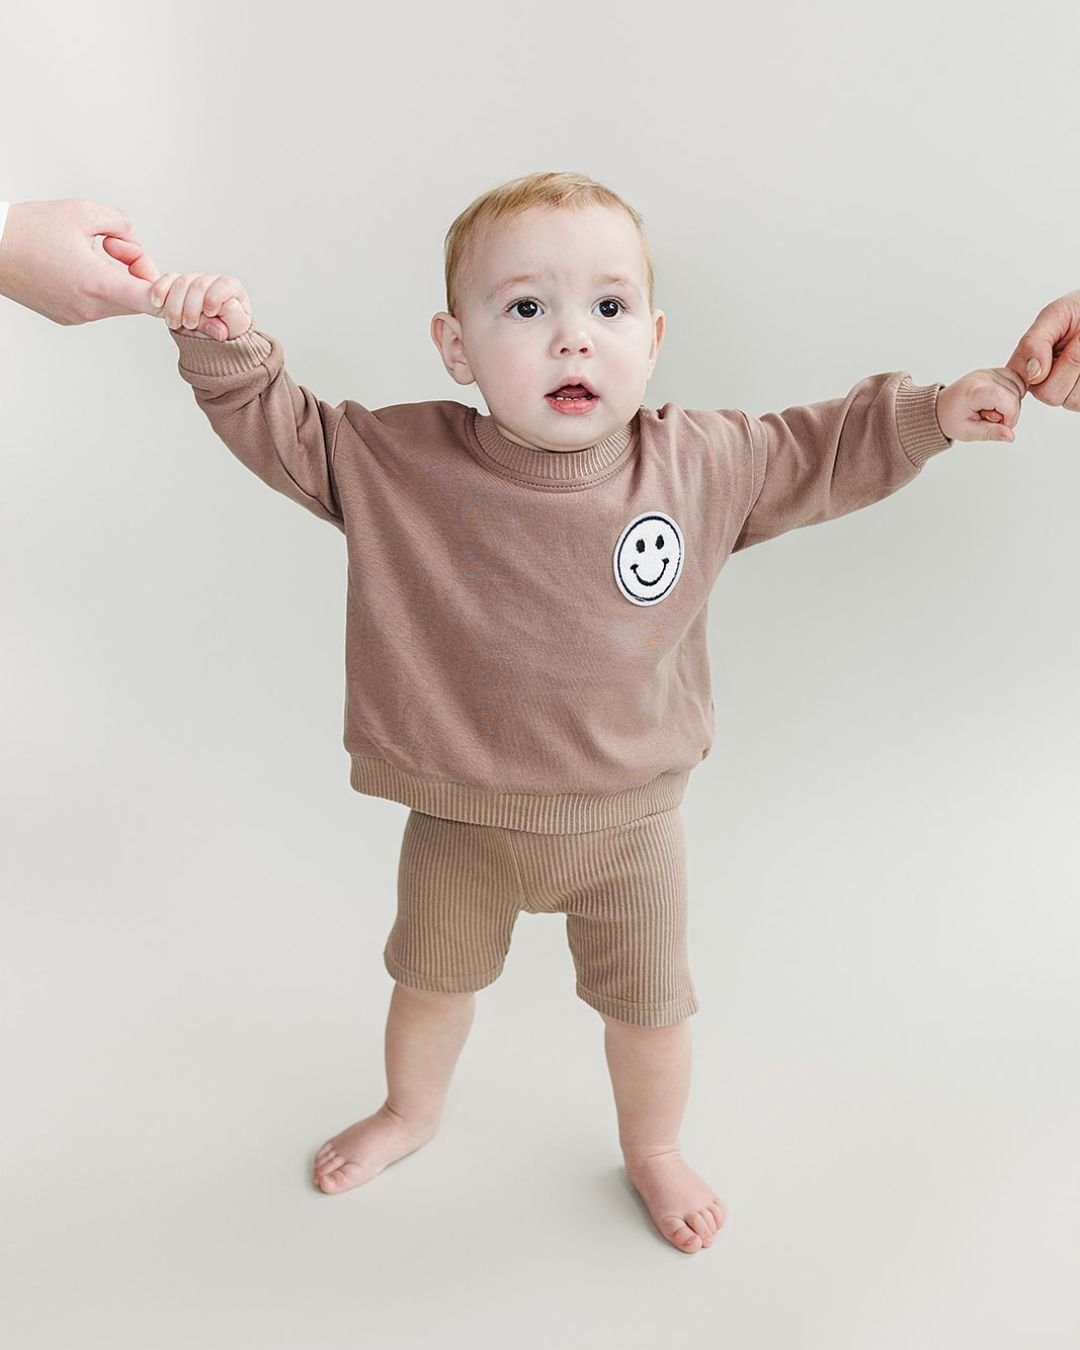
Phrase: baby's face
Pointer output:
(520, 340)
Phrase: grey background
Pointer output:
(883, 859)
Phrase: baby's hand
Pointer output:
(982, 406)
(203, 303)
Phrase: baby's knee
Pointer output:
(635, 1027)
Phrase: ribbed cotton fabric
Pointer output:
(526, 630)
(623, 890)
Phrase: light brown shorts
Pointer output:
(623, 890)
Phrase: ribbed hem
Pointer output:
(440, 984)
(641, 1015)
(204, 356)
(542, 813)
(916, 421)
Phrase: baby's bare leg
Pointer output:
(425, 1033)
(650, 1075)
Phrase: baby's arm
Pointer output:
(277, 428)
(822, 460)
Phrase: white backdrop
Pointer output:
(882, 844)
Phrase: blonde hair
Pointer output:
(568, 191)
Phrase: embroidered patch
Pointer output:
(649, 558)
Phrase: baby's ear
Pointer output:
(441, 328)
(446, 335)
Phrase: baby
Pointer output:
(526, 655)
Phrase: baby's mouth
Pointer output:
(572, 398)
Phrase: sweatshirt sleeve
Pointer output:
(277, 428)
(822, 460)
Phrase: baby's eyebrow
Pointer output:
(527, 278)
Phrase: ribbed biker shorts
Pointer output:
(623, 890)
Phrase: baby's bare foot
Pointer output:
(360, 1153)
(682, 1206)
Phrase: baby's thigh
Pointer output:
(627, 923)
(457, 902)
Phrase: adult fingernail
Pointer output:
(1033, 369)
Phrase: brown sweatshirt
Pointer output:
(525, 631)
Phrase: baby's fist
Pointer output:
(982, 406)
(203, 303)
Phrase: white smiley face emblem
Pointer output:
(649, 558)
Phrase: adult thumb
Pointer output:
(1031, 361)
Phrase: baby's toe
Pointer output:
(329, 1162)
(332, 1178)
(703, 1224)
(676, 1231)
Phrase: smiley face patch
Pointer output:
(648, 558)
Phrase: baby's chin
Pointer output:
(540, 442)
(559, 432)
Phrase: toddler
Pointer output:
(526, 656)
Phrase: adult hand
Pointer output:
(1053, 341)
(49, 263)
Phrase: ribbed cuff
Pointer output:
(204, 356)
(916, 421)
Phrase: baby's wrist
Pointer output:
(942, 413)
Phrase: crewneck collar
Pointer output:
(529, 465)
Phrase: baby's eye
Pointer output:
(611, 300)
